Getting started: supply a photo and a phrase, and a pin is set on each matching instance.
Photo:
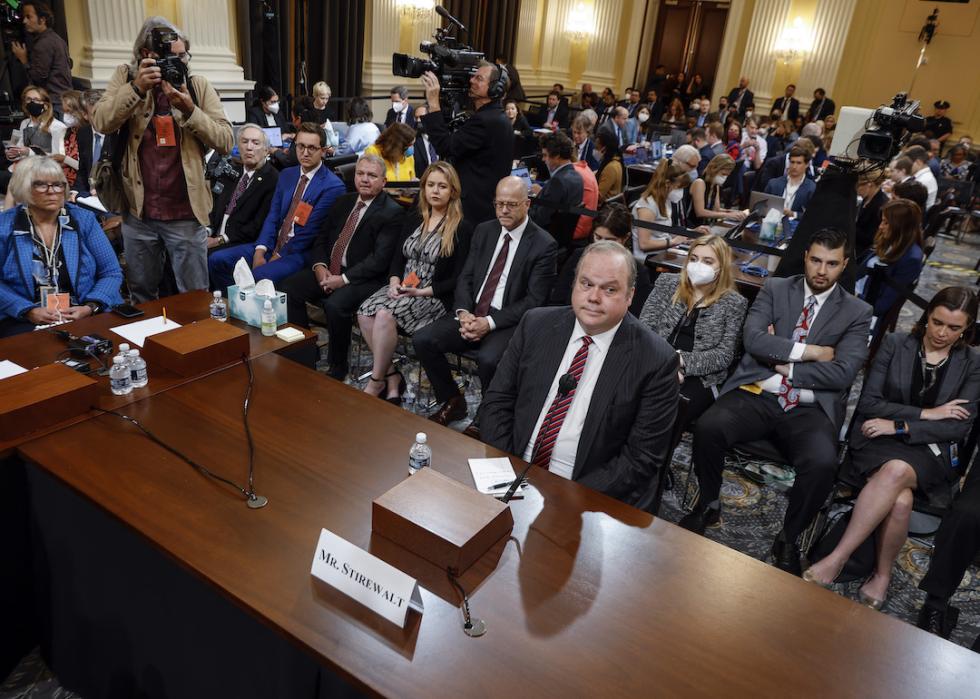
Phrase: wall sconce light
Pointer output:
(795, 41)
(416, 11)
(580, 24)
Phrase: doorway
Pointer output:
(688, 38)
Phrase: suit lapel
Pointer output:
(905, 366)
(544, 374)
(953, 378)
(520, 256)
(606, 387)
(826, 314)
(69, 246)
(794, 307)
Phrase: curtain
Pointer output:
(263, 34)
(491, 26)
(335, 47)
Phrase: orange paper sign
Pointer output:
(302, 213)
(164, 127)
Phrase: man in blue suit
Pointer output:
(795, 187)
(302, 199)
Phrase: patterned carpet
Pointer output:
(752, 511)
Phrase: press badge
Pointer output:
(164, 128)
(954, 455)
(302, 213)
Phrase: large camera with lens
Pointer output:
(887, 128)
(12, 24)
(172, 69)
(453, 63)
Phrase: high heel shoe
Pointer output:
(380, 394)
(397, 400)
(871, 602)
(809, 577)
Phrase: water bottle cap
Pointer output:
(217, 294)
(267, 305)
(118, 360)
(421, 438)
(123, 347)
(134, 353)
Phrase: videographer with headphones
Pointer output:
(165, 120)
(481, 148)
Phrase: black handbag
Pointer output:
(861, 563)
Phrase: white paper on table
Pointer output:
(490, 472)
(92, 203)
(8, 369)
(136, 333)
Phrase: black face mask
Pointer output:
(35, 109)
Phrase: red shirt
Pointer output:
(590, 199)
(164, 186)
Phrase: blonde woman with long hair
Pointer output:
(706, 191)
(700, 313)
(424, 270)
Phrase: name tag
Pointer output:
(302, 213)
(365, 578)
(164, 128)
(57, 302)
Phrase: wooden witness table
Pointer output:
(41, 347)
(589, 597)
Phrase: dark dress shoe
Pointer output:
(337, 372)
(472, 430)
(786, 556)
(452, 410)
(698, 520)
(938, 621)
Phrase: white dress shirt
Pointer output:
(772, 384)
(309, 179)
(927, 179)
(566, 444)
(498, 295)
(789, 194)
(343, 260)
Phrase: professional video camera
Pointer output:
(172, 69)
(453, 62)
(12, 24)
(877, 134)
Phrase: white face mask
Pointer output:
(748, 114)
(676, 196)
(692, 174)
(273, 107)
(719, 180)
(700, 273)
(642, 117)
(69, 120)
(399, 107)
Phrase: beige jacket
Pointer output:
(207, 127)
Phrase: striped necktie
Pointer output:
(553, 421)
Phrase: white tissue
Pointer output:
(265, 287)
(770, 224)
(243, 277)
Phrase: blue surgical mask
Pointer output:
(410, 151)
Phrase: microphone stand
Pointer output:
(566, 384)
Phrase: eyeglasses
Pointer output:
(41, 187)
(502, 205)
(35, 100)
(306, 149)
(185, 56)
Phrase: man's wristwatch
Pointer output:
(900, 427)
(94, 306)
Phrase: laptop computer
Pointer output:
(524, 174)
(772, 201)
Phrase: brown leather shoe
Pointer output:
(452, 410)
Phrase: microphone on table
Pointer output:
(443, 12)
(566, 384)
(757, 213)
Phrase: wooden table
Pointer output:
(41, 347)
(590, 597)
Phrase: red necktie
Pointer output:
(789, 397)
(490, 287)
(242, 184)
(555, 417)
(346, 233)
(287, 223)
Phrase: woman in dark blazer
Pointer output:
(898, 247)
(424, 270)
(869, 212)
(524, 141)
(700, 313)
(266, 110)
(916, 408)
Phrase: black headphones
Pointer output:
(498, 88)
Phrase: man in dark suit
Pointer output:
(509, 269)
(821, 106)
(741, 97)
(702, 112)
(713, 146)
(805, 341)
(554, 115)
(564, 187)
(795, 187)
(611, 431)
(424, 152)
(349, 260)
(401, 111)
(303, 196)
(584, 147)
(241, 206)
(482, 148)
(787, 106)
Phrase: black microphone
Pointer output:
(443, 12)
(566, 384)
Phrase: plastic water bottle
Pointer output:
(137, 369)
(219, 309)
(124, 351)
(420, 455)
(119, 378)
(268, 319)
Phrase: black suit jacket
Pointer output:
(747, 99)
(255, 115)
(370, 250)
(564, 188)
(819, 110)
(481, 150)
(421, 155)
(84, 136)
(868, 220)
(409, 117)
(448, 269)
(627, 430)
(788, 112)
(561, 116)
(246, 220)
(531, 273)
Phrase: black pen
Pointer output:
(501, 485)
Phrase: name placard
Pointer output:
(377, 585)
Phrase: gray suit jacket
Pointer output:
(843, 323)
(717, 331)
(888, 388)
(628, 427)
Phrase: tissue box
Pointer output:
(248, 307)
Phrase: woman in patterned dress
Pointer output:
(424, 271)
